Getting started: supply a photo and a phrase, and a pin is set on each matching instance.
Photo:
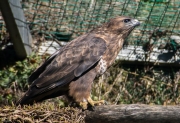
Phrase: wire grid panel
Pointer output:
(63, 20)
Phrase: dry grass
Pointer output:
(47, 112)
(147, 84)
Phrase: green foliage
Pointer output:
(15, 77)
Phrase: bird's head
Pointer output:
(121, 25)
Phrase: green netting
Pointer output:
(67, 19)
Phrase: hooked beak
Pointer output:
(135, 22)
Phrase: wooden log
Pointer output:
(19, 31)
(134, 113)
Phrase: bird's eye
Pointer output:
(126, 20)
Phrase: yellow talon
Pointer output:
(84, 105)
(92, 103)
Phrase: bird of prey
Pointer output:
(71, 70)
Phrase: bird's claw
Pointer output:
(84, 105)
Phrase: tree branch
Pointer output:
(134, 113)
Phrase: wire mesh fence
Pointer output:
(63, 20)
(67, 17)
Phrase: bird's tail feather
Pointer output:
(32, 96)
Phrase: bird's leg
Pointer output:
(92, 103)
(84, 104)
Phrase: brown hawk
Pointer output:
(71, 70)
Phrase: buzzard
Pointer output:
(71, 70)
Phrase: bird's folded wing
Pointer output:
(42, 67)
(71, 62)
